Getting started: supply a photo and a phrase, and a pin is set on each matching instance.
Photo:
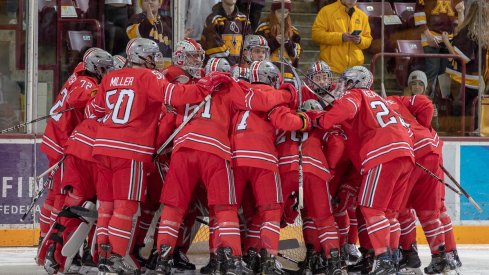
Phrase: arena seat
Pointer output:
(406, 12)
(374, 13)
(404, 64)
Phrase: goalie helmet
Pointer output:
(311, 104)
(217, 65)
(357, 77)
(265, 72)
(144, 52)
(255, 41)
(119, 62)
(321, 74)
(97, 61)
(189, 56)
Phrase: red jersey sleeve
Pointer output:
(285, 119)
(95, 108)
(343, 109)
(166, 126)
(260, 98)
(81, 92)
(421, 107)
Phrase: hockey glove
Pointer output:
(211, 82)
(345, 198)
(306, 122)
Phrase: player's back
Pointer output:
(131, 99)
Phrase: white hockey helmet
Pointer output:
(357, 77)
(320, 67)
(217, 64)
(265, 72)
(255, 41)
(144, 52)
(98, 61)
(312, 104)
(119, 62)
(189, 56)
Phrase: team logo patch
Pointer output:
(234, 27)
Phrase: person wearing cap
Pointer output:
(270, 28)
(149, 24)
(417, 85)
(342, 30)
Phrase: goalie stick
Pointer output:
(53, 170)
(471, 200)
(35, 120)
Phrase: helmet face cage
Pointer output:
(189, 56)
(144, 52)
(357, 77)
(98, 61)
(217, 65)
(265, 72)
(320, 72)
(255, 41)
(119, 62)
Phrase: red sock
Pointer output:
(450, 243)
(252, 239)
(105, 211)
(433, 229)
(122, 226)
(353, 232)
(362, 232)
(229, 235)
(212, 231)
(327, 234)
(170, 221)
(407, 221)
(270, 227)
(378, 228)
(343, 222)
(310, 232)
(144, 222)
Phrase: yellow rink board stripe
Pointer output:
(464, 234)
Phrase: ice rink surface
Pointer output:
(20, 260)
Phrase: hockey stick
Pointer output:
(437, 178)
(246, 25)
(54, 169)
(471, 200)
(185, 122)
(35, 120)
(149, 240)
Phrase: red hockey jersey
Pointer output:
(130, 102)
(209, 130)
(76, 92)
(81, 141)
(175, 74)
(253, 136)
(425, 140)
(371, 123)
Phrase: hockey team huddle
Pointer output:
(146, 149)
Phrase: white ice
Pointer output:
(19, 260)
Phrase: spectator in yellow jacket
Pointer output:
(343, 31)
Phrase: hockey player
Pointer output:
(386, 158)
(255, 168)
(224, 32)
(119, 62)
(203, 147)
(320, 80)
(320, 231)
(75, 93)
(129, 100)
(188, 59)
(255, 48)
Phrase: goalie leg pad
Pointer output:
(77, 230)
(52, 235)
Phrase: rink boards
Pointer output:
(21, 160)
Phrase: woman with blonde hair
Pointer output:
(470, 35)
(270, 28)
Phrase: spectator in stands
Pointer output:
(224, 31)
(470, 35)
(256, 6)
(432, 18)
(271, 30)
(343, 32)
(149, 24)
(117, 14)
(196, 13)
(417, 85)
